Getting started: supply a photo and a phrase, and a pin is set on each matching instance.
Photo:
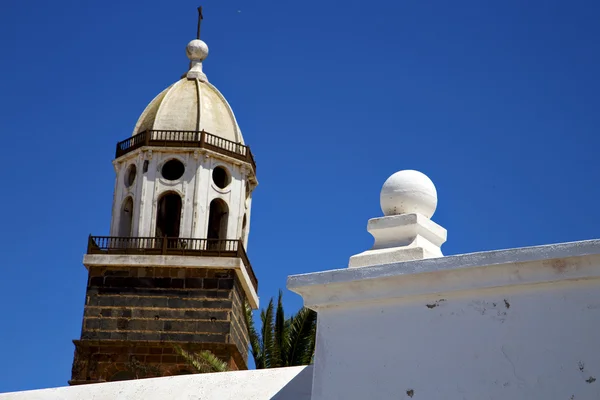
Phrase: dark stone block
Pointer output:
(94, 335)
(106, 312)
(144, 282)
(169, 359)
(138, 325)
(211, 283)
(117, 272)
(108, 324)
(201, 303)
(163, 282)
(92, 323)
(109, 290)
(126, 313)
(201, 314)
(114, 281)
(193, 283)
(208, 293)
(129, 282)
(168, 325)
(122, 324)
(101, 335)
(144, 301)
(154, 325)
(143, 336)
(97, 281)
(176, 303)
(177, 283)
(212, 327)
(117, 335)
(225, 283)
(222, 294)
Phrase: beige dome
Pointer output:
(191, 104)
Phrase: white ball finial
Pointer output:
(408, 192)
(196, 50)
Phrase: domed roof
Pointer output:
(191, 104)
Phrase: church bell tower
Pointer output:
(174, 268)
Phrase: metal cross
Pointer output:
(200, 17)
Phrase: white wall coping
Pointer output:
(519, 266)
(292, 383)
(122, 260)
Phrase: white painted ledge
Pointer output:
(127, 260)
(521, 266)
(293, 383)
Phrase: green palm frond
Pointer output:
(202, 362)
(282, 342)
(255, 346)
(279, 359)
(267, 336)
(214, 363)
(301, 337)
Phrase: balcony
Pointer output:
(194, 139)
(172, 247)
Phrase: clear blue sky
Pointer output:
(498, 102)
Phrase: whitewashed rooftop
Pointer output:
(293, 383)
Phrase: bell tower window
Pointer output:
(168, 215)
(221, 177)
(244, 222)
(173, 170)
(130, 175)
(217, 220)
(126, 218)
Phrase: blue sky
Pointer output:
(496, 101)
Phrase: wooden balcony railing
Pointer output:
(196, 139)
(172, 247)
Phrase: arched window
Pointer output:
(244, 223)
(217, 221)
(126, 218)
(168, 215)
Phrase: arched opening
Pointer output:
(122, 376)
(217, 222)
(125, 221)
(168, 215)
(244, 223)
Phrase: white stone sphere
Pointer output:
(196, 50)
(408, 192)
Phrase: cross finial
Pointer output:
(200, 17)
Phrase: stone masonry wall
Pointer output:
(177, 305)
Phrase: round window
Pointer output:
(130, 175)
(173, 170)
(221, 177)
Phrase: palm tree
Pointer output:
(282, 342)
(203, 362)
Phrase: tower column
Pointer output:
(173, 271)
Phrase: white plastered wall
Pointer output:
(196, 188)
(511, 324)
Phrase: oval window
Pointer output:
(221, 177)
(130, 175)
(173, 170)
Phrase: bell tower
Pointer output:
(174, 268)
